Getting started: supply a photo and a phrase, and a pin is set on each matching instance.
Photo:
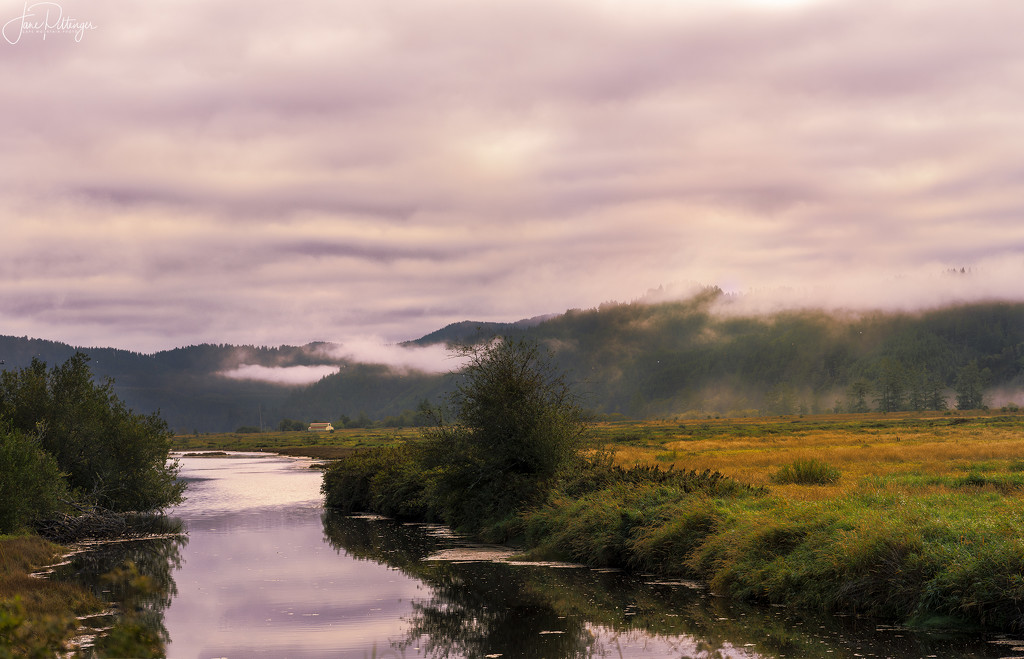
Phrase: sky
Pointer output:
(185, 172)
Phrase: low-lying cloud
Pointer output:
(428, 359)
(286, 375)
(367, 350)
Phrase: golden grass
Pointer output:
(863, 447)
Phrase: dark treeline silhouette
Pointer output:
(693, 356)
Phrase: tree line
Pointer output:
(637, 359)
(697, 355)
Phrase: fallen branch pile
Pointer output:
(101, 524)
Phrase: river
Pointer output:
(265, 572)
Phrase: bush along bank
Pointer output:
(505, 462)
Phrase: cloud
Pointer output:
(383, 169)
(428, 359)
(365, 350)
(287, 375)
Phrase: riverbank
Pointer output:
(41, 615)
(37, 615)
(910, 519)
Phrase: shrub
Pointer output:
(515, 427)
(389, 481)
(598, 472)
(397, 488)
(346, 483)
(31, 485)
(594, 529)
(642, 518)
(806, 472)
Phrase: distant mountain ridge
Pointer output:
(638, 359)
(471, 332)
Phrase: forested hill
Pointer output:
(688, 357)
(697, 356)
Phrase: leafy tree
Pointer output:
(291, 424)
(112, 456)
(926, 392)
(515, 426)
(970, 385)
(781, 400)
(363, 421)
(857, 396)
(31, 485)
(891, 387)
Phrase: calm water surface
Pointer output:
(264, 572)
(258, 578)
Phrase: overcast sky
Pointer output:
(253, 172)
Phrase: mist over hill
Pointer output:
(702, 355)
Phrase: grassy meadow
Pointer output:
(326, 445)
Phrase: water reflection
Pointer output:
(135, 577)
(481, 608)
(258, 579)
(473, 609)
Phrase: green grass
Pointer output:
(806, 472)
(329, 446)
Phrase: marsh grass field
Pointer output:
(913, 453)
